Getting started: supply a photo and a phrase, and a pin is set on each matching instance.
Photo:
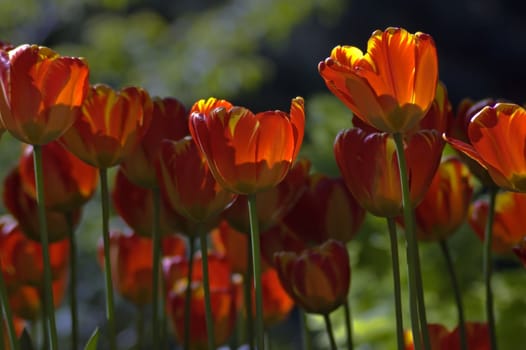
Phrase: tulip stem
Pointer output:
(416, 294)
(256, 260)
(206, 287)
(156, 256)
(396, 281)
(139, 328)
(188, 297)
(247, 290)
(348, 324)
(487, 263)
(7, 314)
(72, 280)
(44, 240)
(103, 173)
(330, 333)
(456, 291)
(307, 344)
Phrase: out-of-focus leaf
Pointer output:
(93, 340)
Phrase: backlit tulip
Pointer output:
(273, 203)
(186, 180)
(110, 126)
(68, 181)
(277, 304)
(24, 208)
(497, 135)
(132, 263)
(169, 121)
(40, 92)
(392, 85)
(326, 209)
(438, 335)
(443, 339)
(446, 203)
(232, 244)
(247, 152)
(134, 204)
(318, 279)
(508, 223)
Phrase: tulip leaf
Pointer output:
(93, 340)
(25, 341)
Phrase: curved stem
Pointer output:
(73, 281)
(416, 294)
(44, 240)
(348, 325)
(206, 286)
(188, 296)
(329, 331)
(247, 290)
(487, 263)
(8, 315)
(457, 294)
(307, 344)
(156, 254)
(110, 313)
(396, 282)
(256, 260)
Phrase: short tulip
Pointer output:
(40, 92)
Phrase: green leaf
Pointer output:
(93, 340)
(25, 341)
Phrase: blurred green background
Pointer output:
(260, 54)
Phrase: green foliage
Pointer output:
(93, 340)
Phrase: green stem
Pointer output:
(487, 263)
(73, 281)
(110, 313)
(206, 286)
(45, 311)
(348, 324)
(2, 340)
(247, 290)
(307, 344)
(416, 295)
(256, 260)
(44, 240)
(156, 237)
(457, 294)
(329, 331)
(139, 328)
(396, 281)
(188, 296)
(8, 315)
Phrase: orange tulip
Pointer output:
(318, 279)
(277, 304)
(438, 335)
(132, 263)
(19, 324)
(40, 92)
(442, 339)
(508, 224)
(68, 181)
(186, 180)
(134, 205)
(111, 125)
(325, 210)
(169, 121)
(390, 87)
(247, 152)
(446, 203)
(24, 208)
(497, 134)
(273, 204)
(231, 244)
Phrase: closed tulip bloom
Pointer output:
(40, 92)
(169, 121)
(110, 126)
(318, 279)
(392, 85)
(325, 210)
(445, 205)
(188, 183)
(248, 152)
(508, 223)
(277, 304)
(24, 208)
(438, 335)
(443, 339)
(497, 135)
(68, 181)
(232, 244)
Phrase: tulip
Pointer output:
(68, 183)
(40, 92)
(19, 325)
(280, 238)
(231, 244)
(520, 251)
(443, 339)
(390, 87)
(277, 304)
